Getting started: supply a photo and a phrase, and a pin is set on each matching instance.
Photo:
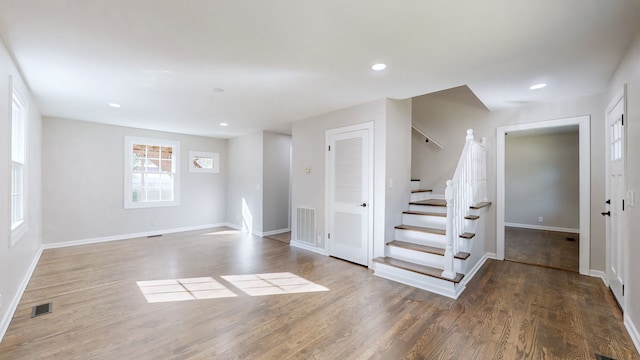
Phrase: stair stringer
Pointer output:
(477, 245)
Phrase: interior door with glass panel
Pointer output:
(616, 187)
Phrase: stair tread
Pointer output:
(417, 268)
(480, 205)
(467, 235)
(420, 191)
(426, 249)
(430, 202)
(472, 217)
(421, 229)
(424, 213)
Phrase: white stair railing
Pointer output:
(467, 188)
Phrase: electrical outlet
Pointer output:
(540, 219)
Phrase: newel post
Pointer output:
(448, 250)
(470, 134)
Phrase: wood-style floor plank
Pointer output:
(544, 248)
(508, 311)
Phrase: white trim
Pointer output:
(273, 232)
(585, 181)
(633, 331)
(471, 273)
(4, 324)
(303, 246)
(542, 227)
(599, 274)
(129, 236)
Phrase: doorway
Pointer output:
(584, 182)
(349, 179)
(542, 200)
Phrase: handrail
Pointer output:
(429, 138)
(468, 187)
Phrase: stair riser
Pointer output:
(421, 238)
(435, 222)
(415, 185)
(438, 286)
(428, 208)
(422, 258)
(420, 196)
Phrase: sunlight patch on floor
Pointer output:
(273, 284)
(169, 290)
(183, 289)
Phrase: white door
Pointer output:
(615, 204)
(349, 177)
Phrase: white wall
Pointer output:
(308, 189)
(245, 179)
(83, 191)
(628, 72)
(398, 167)
(276, 176)
(16, 260)
(447, 114)
(542, 179)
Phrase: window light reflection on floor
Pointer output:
(207, 288)
(183, 289)
(273, 284)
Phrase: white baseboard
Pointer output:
(308, 247)
(273, 232)
(633, 331)
(599, 274)
(4, 324)
(130, 236)
(542, 227)
(469, 275)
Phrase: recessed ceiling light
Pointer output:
(224, 124)
(378, 67)
(114, 105)
(537, 86)
(218, 90)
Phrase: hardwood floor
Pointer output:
(283, 237)
(509, 311)
(544, 248)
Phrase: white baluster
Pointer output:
(449, 195)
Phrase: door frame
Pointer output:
(620, 97)
(369, 126)
(583, 123)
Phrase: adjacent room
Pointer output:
(319, 180)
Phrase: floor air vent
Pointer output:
(306, 225)
(41, 309)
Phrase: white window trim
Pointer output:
(216, 162)
(19, 229)
(129, 141)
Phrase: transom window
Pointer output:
(18, 166)
(151, 172)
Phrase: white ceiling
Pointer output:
(283, 60)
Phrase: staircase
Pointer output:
(440, 243)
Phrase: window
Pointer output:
(18, 166)
(152, 176)
(206, 162)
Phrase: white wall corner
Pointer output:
(633, 331)
(4, 324)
